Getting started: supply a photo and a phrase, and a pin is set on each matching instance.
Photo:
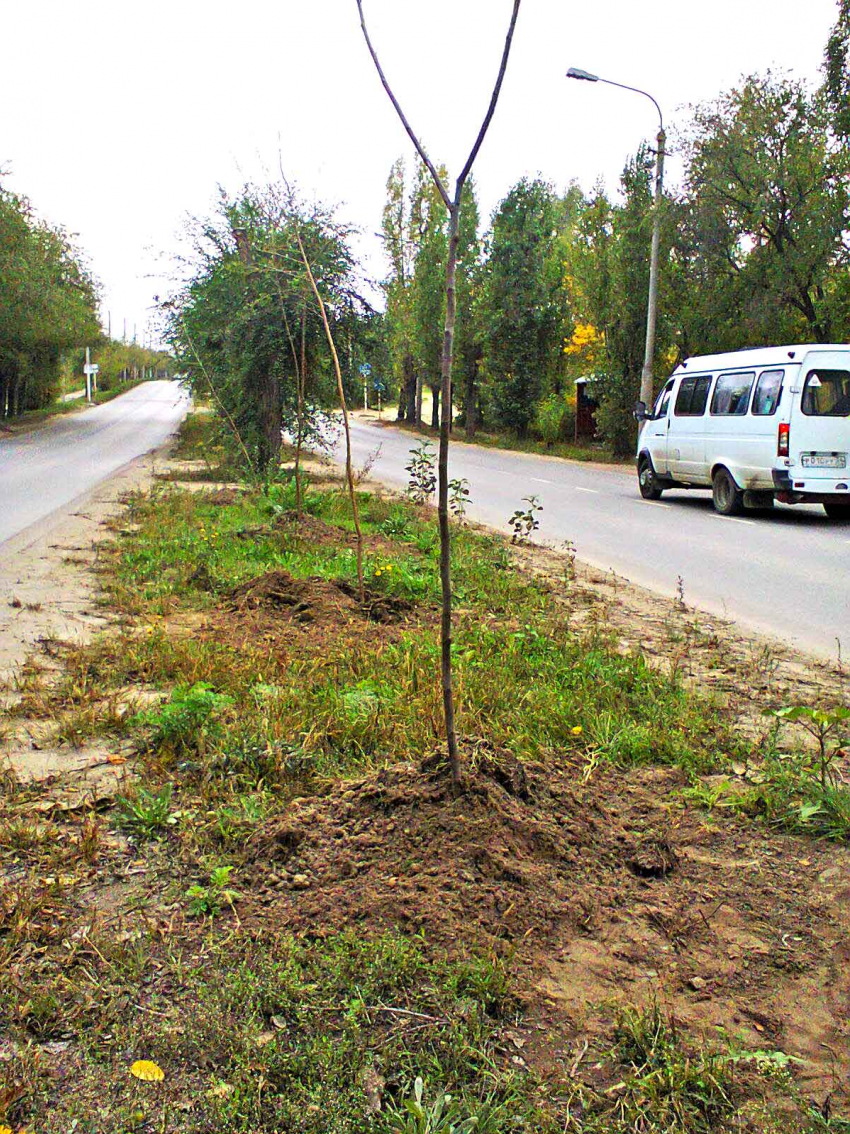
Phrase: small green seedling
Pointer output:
(524, 522)
(459, 497)
(208, 900)
(148, 813)
(422, 477)
(829, 727)
(440, 1118)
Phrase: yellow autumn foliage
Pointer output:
(585, 338)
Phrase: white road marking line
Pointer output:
(595, 491)
(539, 481)
(654, 503)
(733, 519)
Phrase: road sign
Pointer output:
(366, 369)
(91, 368)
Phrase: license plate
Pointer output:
(824, 460)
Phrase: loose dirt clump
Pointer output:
(325, 602)
(318, 533)
(400, 847)
(601, 892)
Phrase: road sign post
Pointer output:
(90, 370)
(365, 371)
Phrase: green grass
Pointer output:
(291, 1036)
(788, 795)
(255, 1030)
(522, 678)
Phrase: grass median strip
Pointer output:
(284, 907)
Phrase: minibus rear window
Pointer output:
(768, 392)
(732, 394)
(827, 393)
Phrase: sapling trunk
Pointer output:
(302, 388)
(443, 496)
(349, 473)
(299, 411)
(453, 207)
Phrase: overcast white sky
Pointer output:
(121, 116)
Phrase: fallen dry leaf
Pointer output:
(147, 1071)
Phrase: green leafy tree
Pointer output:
(606, 253)
(428, 299)
(837, 70)
(399, 246)
(768, 185)
(48, 305)
(469, 347)
(520, 315)
(245, 327)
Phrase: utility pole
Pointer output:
(646, 390)
(652, 300)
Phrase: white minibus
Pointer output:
(754, 426)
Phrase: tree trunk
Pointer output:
(470, 399)
(443, 498)
(418, 418)
(410, 380)
(272, 422)
(435, 407)
(301, 379)
(453, 207)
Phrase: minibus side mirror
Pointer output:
(640, 412)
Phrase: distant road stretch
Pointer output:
(42, 470)
(787, 574)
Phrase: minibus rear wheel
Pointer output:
(647, 480)
(838, 512)
(728, 498)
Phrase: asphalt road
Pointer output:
(785, 574)
(45, 469)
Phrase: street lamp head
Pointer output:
(577, 73)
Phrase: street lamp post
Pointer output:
(652, 302)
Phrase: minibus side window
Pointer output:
(827, 393)
(692, 396)
(768, 392)
(700, 398)
(663, 401)
(732, 394)
(684, 397)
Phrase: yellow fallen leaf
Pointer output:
(147, 1071)
(5, 1130)
(117, 759)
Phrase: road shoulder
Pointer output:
(47, 571)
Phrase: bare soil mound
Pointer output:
(316, 600)
(607, 890)
(319, 533)
(402, 848)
